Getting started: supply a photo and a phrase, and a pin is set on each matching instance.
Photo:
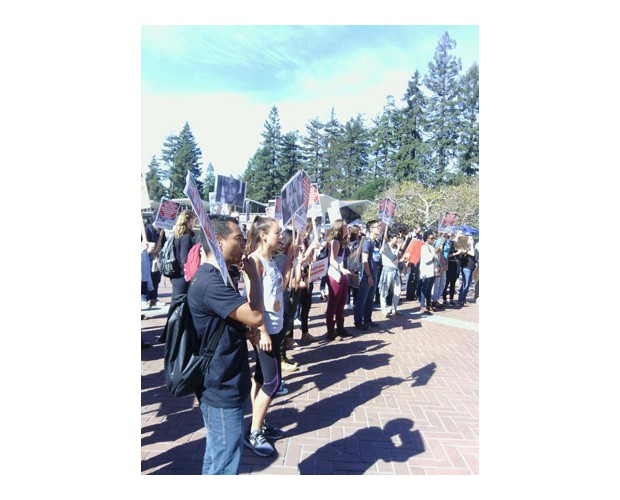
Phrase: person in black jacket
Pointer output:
(156, 240)
(184, 240)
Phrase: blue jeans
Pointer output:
(438, 286)
(224, 444)
(365, 300)
(465, 282)
(426, 292)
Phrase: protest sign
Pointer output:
(446, 221)
(390, 211)
(229, 191)
(381, 208)
(191, 191)
(277, 212)
(412, 252)
(167, 214)
(318, 269)
(462, 243)
(333, 212)
(314, 204)
(295, 196)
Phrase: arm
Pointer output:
(251, 313)
(366, 266)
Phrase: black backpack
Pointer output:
(167, 262)
(185, 363)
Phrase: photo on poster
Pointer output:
(292, 197)
(230, 191)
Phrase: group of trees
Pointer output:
(426, 149)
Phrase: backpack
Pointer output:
(185, 362)
(193, 262)
(167, 263)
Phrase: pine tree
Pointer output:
(312, 152)
(411, 161)
(290, 157)
(262, 173)
(442, 115)
(155, 188)
(353, 149)
(469, 130)
(383, 138)
(332, 136)
(209, 183)
(182, 154)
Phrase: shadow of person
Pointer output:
(357, 453)
(423, 375)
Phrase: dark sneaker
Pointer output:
(361, 326)
(257, 442)
(272, 432)
(372, 323)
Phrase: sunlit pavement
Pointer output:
(400, 398)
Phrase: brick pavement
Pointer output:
(401, 398)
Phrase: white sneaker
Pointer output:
(145, 305)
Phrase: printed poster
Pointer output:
(167, 214)
(229, 191)
(295, 197)
(446, 221)
(318, 269)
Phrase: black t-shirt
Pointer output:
(227, 381)
(468, 262)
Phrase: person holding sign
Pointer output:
(454, 268)
(227, 383)
(468, 264)
(337, 283)
(428, 263)
(263, 242)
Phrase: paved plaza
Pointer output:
(400, 398)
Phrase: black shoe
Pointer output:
(343, 332)
(372, 323)
(361, 326)
(145, 345)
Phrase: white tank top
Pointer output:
(273, 315)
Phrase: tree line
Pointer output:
(429, 143)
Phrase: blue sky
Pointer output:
(224, 79)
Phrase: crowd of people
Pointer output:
(269, 291)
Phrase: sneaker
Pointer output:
(288, 367)
(372, 323)
(361, 326)
(145, 305)
(292, 345)
(257, 442)
(282, 390)
(157, 304)
(270, 431)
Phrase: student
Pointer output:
(184, 240)
(227, 382)
(362, 312)
(428, 263)
(337, 282)
(263, 242)
(390, 274)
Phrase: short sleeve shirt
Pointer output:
(369, 247)
(227, 381)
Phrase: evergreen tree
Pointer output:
(209, 183)
(411, 156)
(155, 188)
(469, 130)
(312, 152)
(290, 158)
(353, 150)
(443, 114)
(262, 173)
(182, 154)
(384, 137)
(332, 137)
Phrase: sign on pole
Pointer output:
(167, 214)
(318, 269)
(295, 197)
(191, 191)
(334, 212)
(446, 221)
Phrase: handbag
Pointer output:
(334, 274)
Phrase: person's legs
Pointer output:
(152, 295)
(370, 303)
(396, 288)
(224, 439)
(465, 282)
(360, 302)
(332, 296)
(342, 294)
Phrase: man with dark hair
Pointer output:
(227, 383)
(362, 312)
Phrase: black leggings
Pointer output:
(454, 271)
(305, 303)
(267, 370)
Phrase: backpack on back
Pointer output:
(167, 262)
(193, 262)
(185, 363)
